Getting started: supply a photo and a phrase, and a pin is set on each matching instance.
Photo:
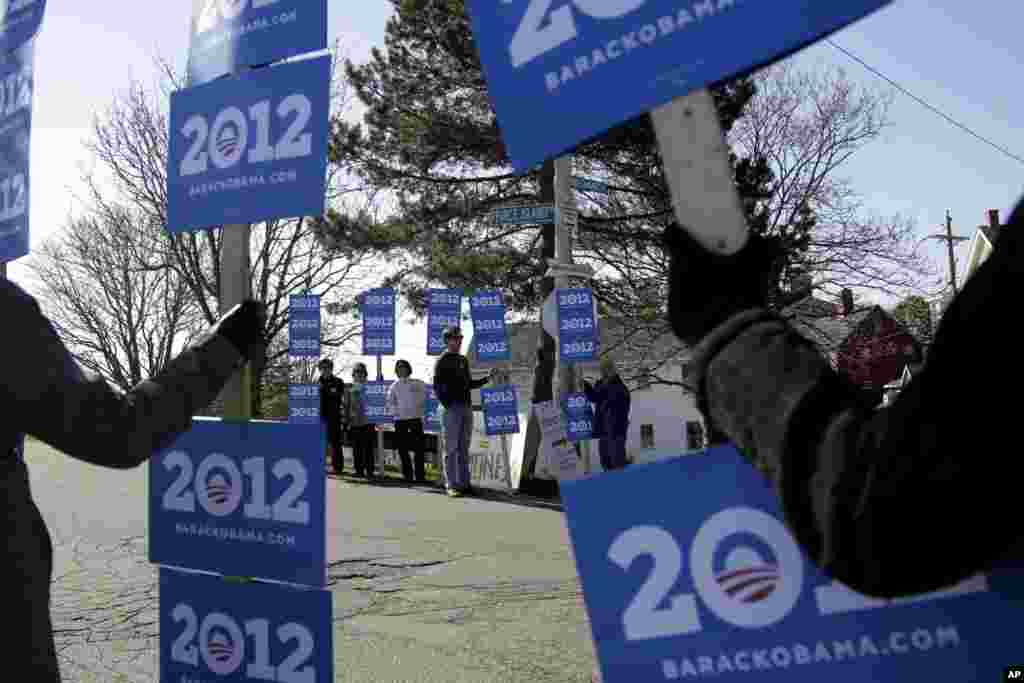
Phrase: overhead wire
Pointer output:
(925, 104)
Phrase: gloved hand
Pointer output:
(706, 289)
(244, 327)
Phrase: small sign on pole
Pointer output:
(444, 309)
(501, 410)
(490, 335)
(378, 310)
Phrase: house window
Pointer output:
(694, 434)
(646, 436)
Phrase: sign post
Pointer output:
(237, 497)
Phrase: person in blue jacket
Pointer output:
(46, 394)
(611, 400)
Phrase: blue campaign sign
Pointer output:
(490, 336)
(378, 310)
(444, 308)
(432, 412)
(304, 403)
(19, 23)
(698, 579)
(16, 86)
(579, 417)
(501, 410)
(524, 215)
(249, 149)
(374, 399)
(228, 35)
(212, 629)
(241, 499)
(584, 66)
(304, 326)
(577, 326)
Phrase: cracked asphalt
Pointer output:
(425, 588)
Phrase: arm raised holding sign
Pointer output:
(872, 494)
(44, 393)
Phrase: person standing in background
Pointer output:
(611, 400)
(332, 395)
(407, 401)
(453, 383)
(362, 432)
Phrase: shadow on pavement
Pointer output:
(390, 480)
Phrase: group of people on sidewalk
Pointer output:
(343, 410)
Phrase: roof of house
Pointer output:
(817, 320)
(991, 233)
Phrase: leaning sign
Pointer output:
(558, 62)
(229, 35)
(19, 22)
(697, 578)
(16, 87)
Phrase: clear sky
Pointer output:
(963, 58)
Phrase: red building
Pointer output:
(866, 344)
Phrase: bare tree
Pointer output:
(807, 125)
(129, 142)
(119, 316)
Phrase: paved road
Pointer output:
(425, 588)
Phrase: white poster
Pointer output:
(557, 455)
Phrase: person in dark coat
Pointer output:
(876, 496)
(46, 394)
(611, 400)
(332, 412)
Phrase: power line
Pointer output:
(925, 104)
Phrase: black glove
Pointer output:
(244, 326)
(706, 289)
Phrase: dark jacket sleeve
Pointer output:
(477, 383)
(82, 415)
(891, 501)
(444, 373)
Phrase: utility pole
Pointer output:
(949, 238)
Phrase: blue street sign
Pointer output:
(501, 409)
(584, 66)
(249, 149)
(444, 308)
(579, 417)
(697, 578)
(432, 412)
(304, 326)
(374, 397)
(304, 403)
(241, 499)
(20, 21)
(577, 326)
(524, 215)
(490, 336)
(377, 308)
(228, 35)
(589, 185)
(16, 86)
(212, 629)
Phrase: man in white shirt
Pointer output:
(407, 400)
